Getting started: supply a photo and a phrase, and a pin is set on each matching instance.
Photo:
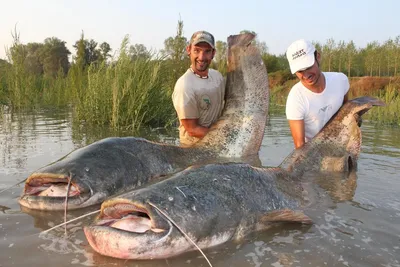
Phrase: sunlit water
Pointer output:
(358, 226)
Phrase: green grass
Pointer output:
(389, 114)
(125, 93)
(131, 94)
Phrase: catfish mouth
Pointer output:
(47, 191)
(131, 217)
(129, 230)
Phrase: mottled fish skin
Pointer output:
(337, 146)
(220, 202)
(105, 168)
(115, 165)
(212, 203)
(240, 130)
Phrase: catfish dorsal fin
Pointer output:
(286, 215)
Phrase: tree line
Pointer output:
(376, 59)
(132, 85)
(52, 56)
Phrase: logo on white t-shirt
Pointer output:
(325, 109)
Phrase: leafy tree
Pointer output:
(317, 46)
(370, 56)
(283, 62)
(105, 50)
(4, 90)
(175, 47)
(92, 53)
(328, 51)
(87, 52)
(3, 63)
(262, 47)
(33, 61)
(390, 54)
(174, 52)
(271, 62)
(41, 58)
(80, 47)
(350, 52)
(396, 54)
(380, 56)
(139, 51)
(54, 56)
(340, 54)
(221, 56)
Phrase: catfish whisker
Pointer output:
(180, 229)
(66, 204)
(75, 219)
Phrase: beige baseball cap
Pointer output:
(202, 36)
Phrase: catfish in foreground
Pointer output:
(115, 165)
(220, 202)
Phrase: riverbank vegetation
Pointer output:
(132, 86)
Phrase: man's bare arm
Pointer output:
(193, 128)
(298, 132)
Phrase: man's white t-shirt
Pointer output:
(317, 108)
(198, 98)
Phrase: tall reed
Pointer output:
(127, 93)
(390, 114)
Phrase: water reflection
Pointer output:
(83, 135)
(381, 141)
(339, 186)
(45, 220)
(356, 217)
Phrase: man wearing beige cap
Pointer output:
(316, 97)
(198, 95)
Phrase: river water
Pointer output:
(358, 226)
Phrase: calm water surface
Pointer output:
(357, 225)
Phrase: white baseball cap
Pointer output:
(300, 55)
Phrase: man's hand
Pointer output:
(193, 128)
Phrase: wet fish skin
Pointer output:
(213, 203)
(337, 146)
(115, 165)
(220, 202)
(240, 129)
(108, 167)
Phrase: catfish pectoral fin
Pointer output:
(286, 215)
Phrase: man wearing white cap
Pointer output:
(199, 94)
(316, 97)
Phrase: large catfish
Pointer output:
(219, 202)
(114, 165)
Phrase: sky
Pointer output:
(150, 22)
